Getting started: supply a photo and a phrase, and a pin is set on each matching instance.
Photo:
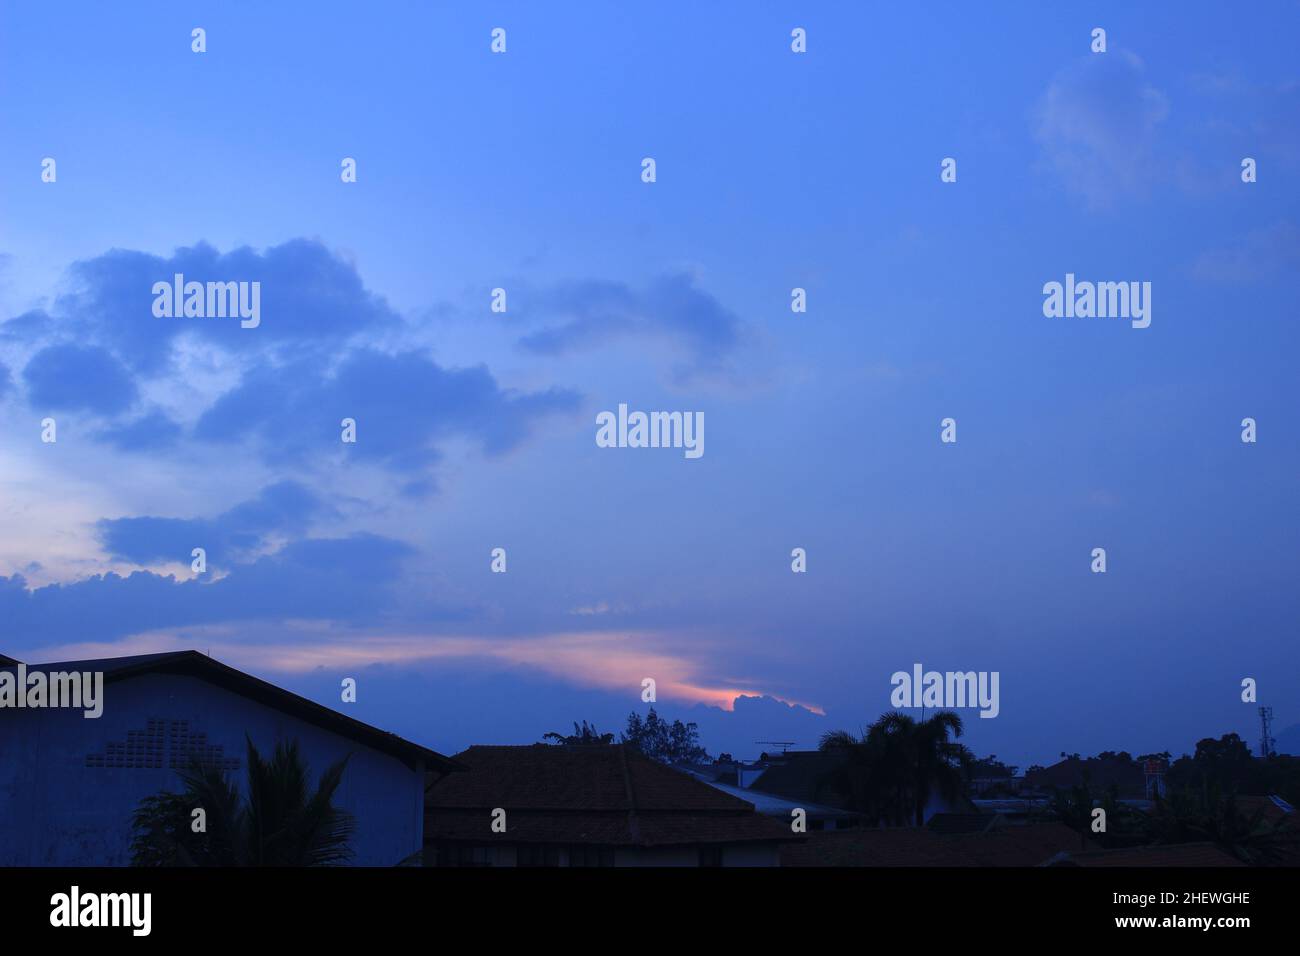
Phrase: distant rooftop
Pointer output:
(772, 804)
(610, 795)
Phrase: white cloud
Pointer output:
(1097, 125)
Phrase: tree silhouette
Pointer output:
(586, 735)
(279, 823)
(893, 770)
(659, 740)
(1188, 816)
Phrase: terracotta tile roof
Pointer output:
(963, 822)
(602, 794)
(1028, 845)
(604, 828)
(1100, 773)
(1176, 854)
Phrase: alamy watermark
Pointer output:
(1102, 300)
(651, 430)
(83, 690)
(947, 689)
(75, 908)
(211, 300)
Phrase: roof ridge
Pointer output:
(193, 663)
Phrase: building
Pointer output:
(589, 805)
(1102, 773)
(778, 783)
(816, 816)
(69, 784)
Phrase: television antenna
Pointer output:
(783, 744)
(1266, 740)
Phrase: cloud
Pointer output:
(1254, 256)
(309, 297)
(286, 508)
(280, 390)
(1097, 125)
(344, 580)
(76, 378)
(150, 432)
(402, 404)
(25, 327)
(6, 380)
(671, 310)
(605, 660)
(600, 607)
(754, 723)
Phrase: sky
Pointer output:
(476, 429)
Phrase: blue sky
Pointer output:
(476, 430)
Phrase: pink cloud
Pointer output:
(608, 660)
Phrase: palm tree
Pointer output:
(279, 823)
(941, 764)
(893, 770)
(866, 778)
(586, 734)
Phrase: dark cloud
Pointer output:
(26, 327)
(672, 310)
(75, 378)
(150, 432)
(402, 405)
(286, 507)
(309, 297)
(307, 367)
(344, 580)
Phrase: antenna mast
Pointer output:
(1266, 740)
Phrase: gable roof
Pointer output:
(194, 664)
(1100, 772)
(6, 661)
(1028, 845)
(600, 794)
(802, 775)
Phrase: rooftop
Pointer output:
(609, 795)
(773, 805)
(194, 664)
(1029, 845)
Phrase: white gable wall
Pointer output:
(57, 811)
